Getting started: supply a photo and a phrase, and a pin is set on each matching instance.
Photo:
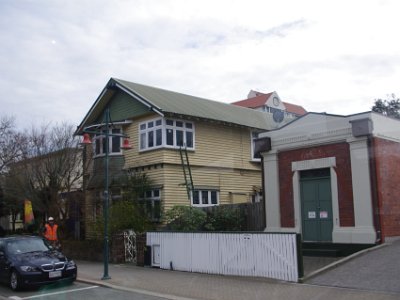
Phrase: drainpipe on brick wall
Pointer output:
(374, 189)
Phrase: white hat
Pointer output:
(51, 219)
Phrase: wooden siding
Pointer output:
(221, 160)
(123, 107)
(216, 145)
(229, 182)
(133, 157)
(222, 146)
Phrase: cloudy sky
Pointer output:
(333, 56)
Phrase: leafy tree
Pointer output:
(135, 185)
(124, 215)
(129, 212)
(388, 107)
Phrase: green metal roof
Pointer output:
(168, 102)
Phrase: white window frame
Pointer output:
(144, 130)
(252, 139)
(99, 139)
(201, 191)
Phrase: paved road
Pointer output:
(179, 285)
(377, 270)
(74, 291)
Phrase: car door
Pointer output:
(4, 265)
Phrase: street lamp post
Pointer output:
(86, 140)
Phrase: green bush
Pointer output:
(224, 218)
(124, 215)
(185, 218)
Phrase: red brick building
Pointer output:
(333, 178)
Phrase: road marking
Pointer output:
(55, 293)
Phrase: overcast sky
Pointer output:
(328, 56)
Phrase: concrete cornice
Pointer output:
(313, 139)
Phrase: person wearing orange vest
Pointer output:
(50, 231)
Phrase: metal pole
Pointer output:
(106, 198)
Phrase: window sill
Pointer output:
(204, 205)
(110, 154)
(255, 160)
(164, 148)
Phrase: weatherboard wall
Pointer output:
(216, 145)
(221, 161)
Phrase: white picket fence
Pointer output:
(243, 254)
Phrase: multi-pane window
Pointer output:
(151, 134)
(166, 133)
(151, 203)
(114, 142)
(205, 197)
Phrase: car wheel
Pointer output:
(15, 282)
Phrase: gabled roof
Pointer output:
(295, 109)
(166, 102)
(254, 102)
(261, 100)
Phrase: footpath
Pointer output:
(331, 284)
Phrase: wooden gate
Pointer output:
(272, 255)
(130, 246)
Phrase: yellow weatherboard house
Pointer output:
(195, 151)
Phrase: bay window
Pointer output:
(167, 133)
(114, 142)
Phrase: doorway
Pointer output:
(316, 205)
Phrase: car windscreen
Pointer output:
(20, 246)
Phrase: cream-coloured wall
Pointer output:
(215, 146)
(221, 160)
(234, 186)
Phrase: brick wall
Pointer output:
(387, 158)
(343, 170)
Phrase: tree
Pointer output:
(130, 212)
(15, 188)
(12, 143)
(52, 167)
(388, 107)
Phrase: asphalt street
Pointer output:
(73, 291)
(377, 270)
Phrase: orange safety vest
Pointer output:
(51, 232)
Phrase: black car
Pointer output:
(31, 261)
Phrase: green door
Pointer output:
(316, 202)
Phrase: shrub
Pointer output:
(185, 218)
(124, 215)
(225, 218)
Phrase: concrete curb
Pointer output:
(128, 289)
(340, 262)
